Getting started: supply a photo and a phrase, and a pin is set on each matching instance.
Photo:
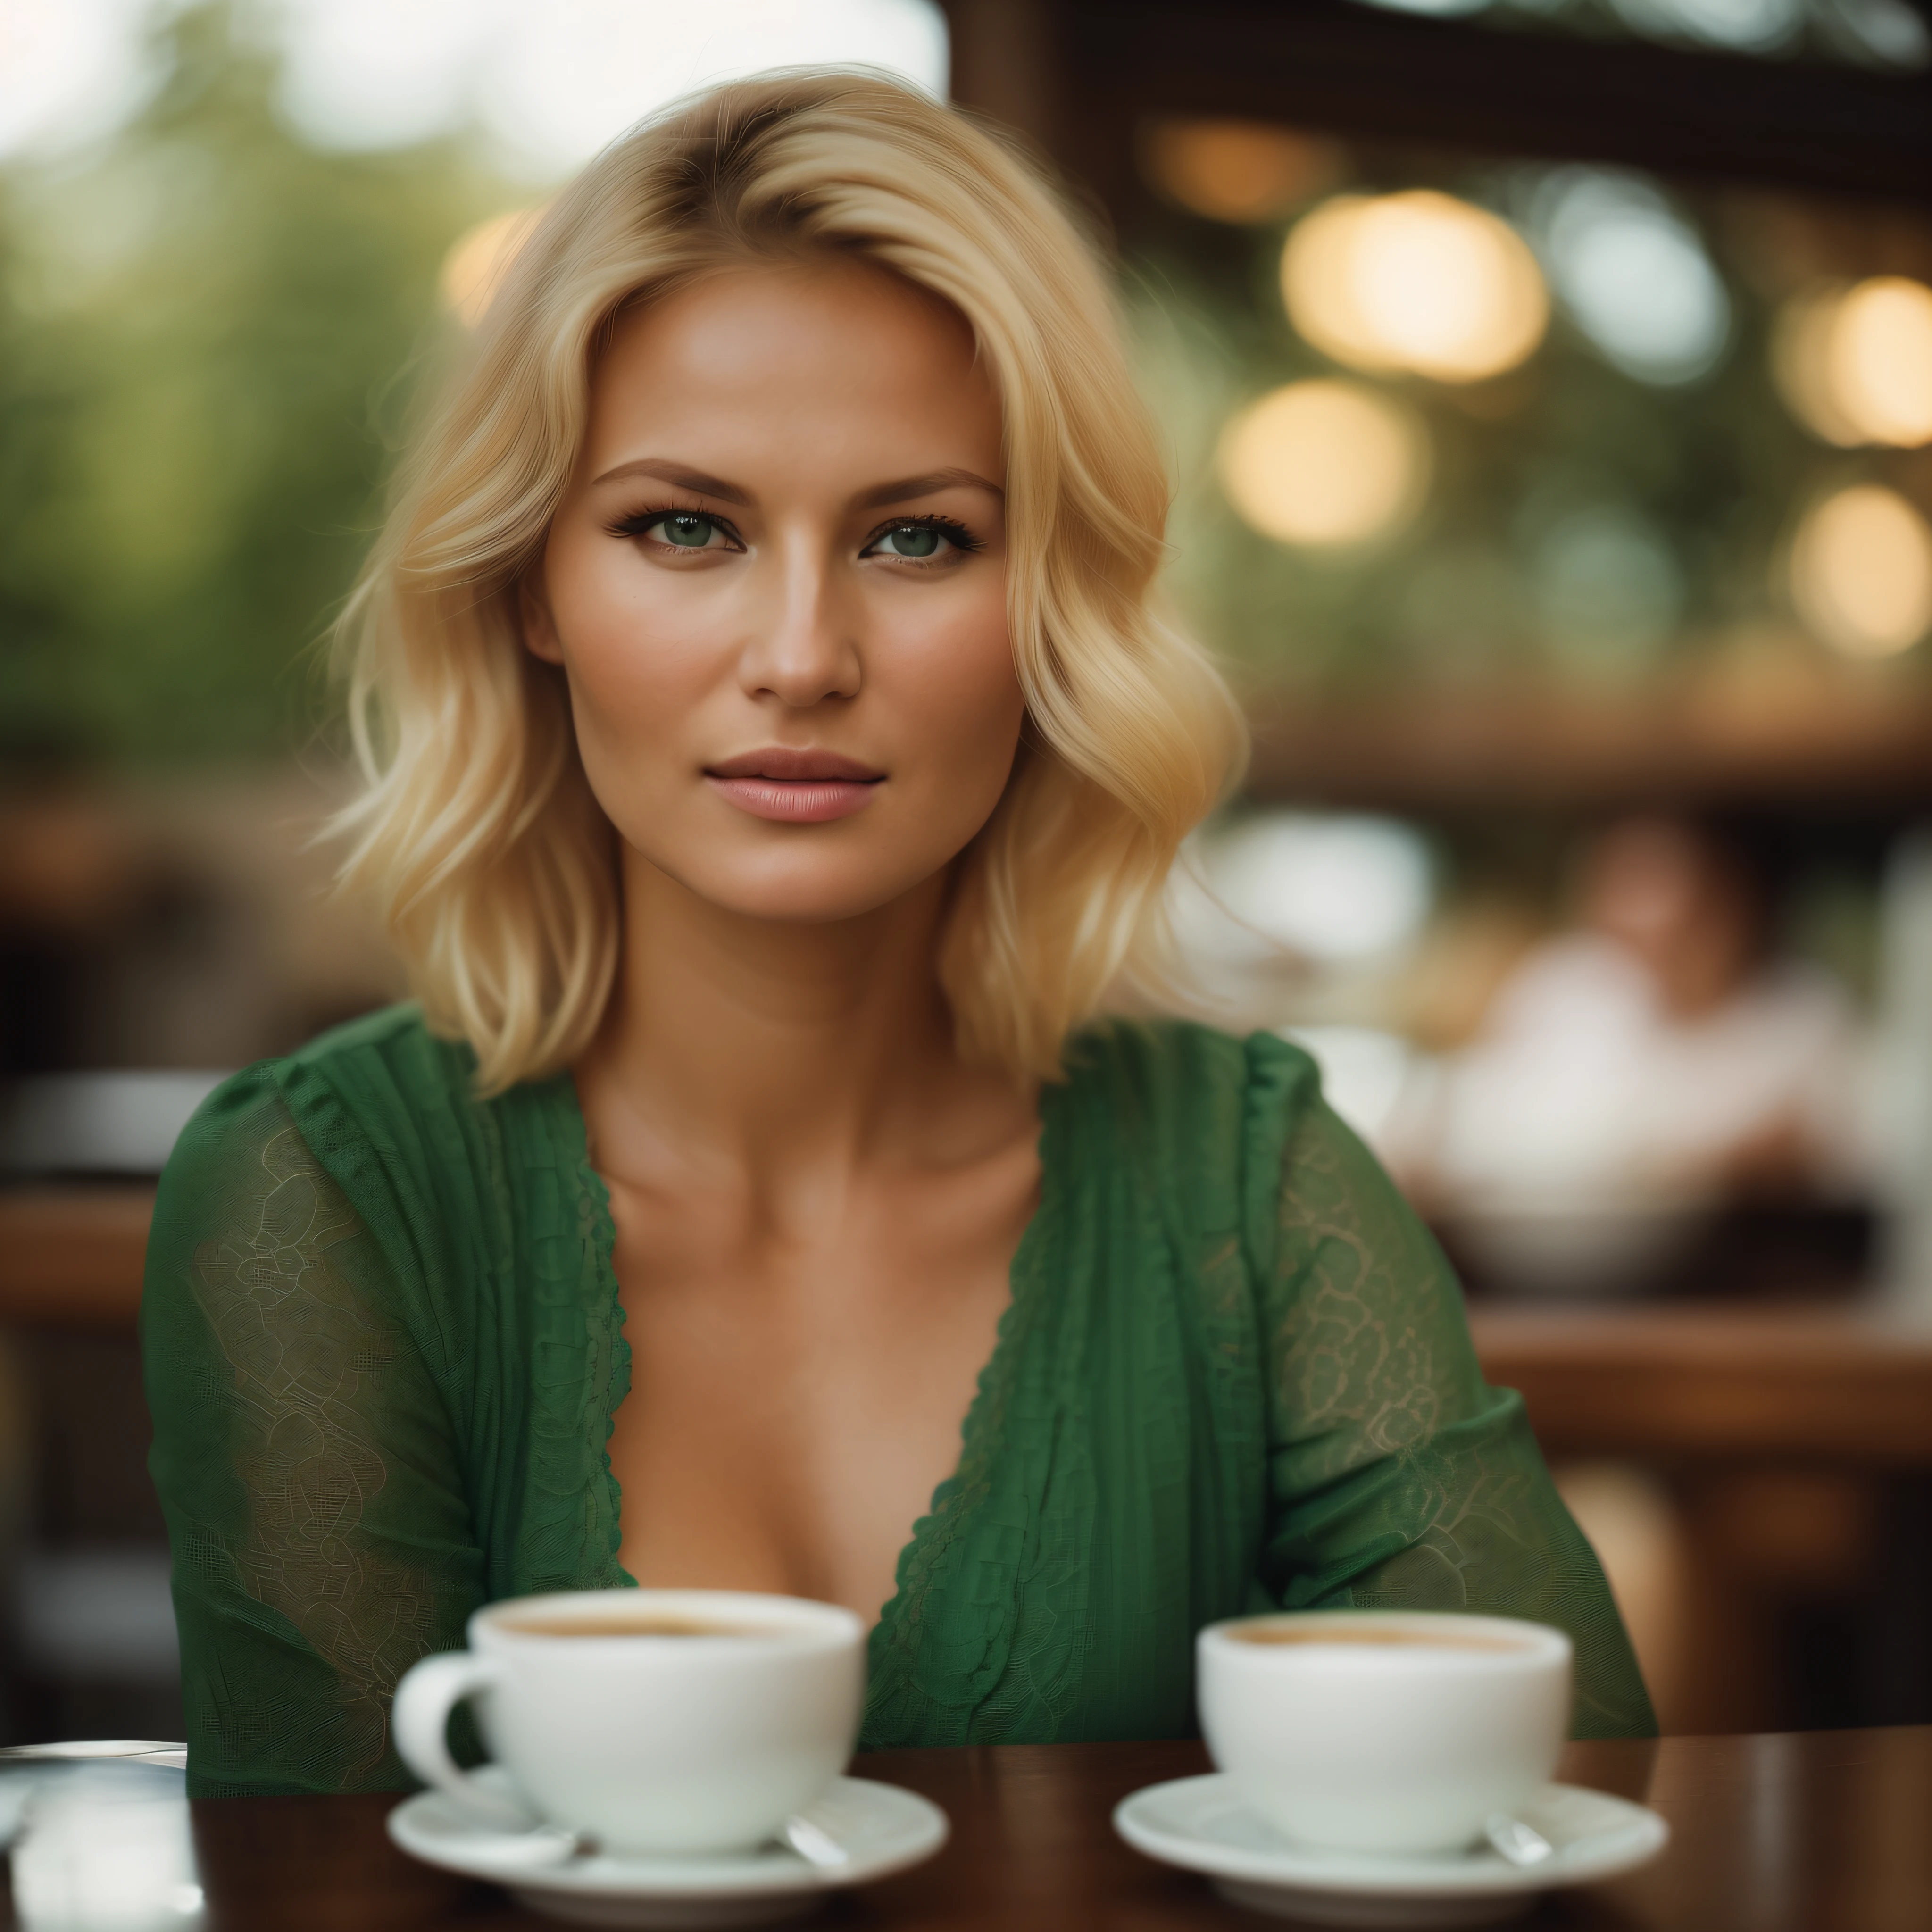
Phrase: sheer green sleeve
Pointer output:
(1398, 1479)
(321, 1538)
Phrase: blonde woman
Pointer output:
(773, 759)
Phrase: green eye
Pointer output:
(910, 540)
(686, 532)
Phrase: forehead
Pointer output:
(840, 363)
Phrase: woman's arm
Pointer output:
(322, 1539)
(1398, 1479)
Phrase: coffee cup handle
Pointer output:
(419, 1721)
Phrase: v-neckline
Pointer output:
(1021, 1273)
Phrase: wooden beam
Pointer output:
(1672, 743)
(1358, 70)
(1729, 1384)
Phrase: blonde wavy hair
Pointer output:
(476, 828)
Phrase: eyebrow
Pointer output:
(680, 476)
(910, 489)
(904, 490)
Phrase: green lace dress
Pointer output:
(384, 1347)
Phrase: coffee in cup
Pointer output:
(656, 1721)
(1384, 1731)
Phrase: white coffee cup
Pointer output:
(1384, 1731)
(655, 1721)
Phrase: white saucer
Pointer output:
(1199, 1823)
(885, 1829)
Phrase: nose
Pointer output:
(804, 648)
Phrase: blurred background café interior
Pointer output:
(1548, 387)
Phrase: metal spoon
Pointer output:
(542, 1845)
(1521, 1844)
(813, 1843)
(140, 1750)
(554, 1845)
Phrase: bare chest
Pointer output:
(798, 1388)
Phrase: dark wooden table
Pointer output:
(1824, 1831)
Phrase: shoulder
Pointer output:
(387, 1081)
(381, 1104)
(1179, 1072)
(371, 1131)
(1206, 1115)
(376, 1073)
(392, 1050)
(391, 1109)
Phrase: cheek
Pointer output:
(953, 683)
(637, 661)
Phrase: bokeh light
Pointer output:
(1418, 282)
(1886, 33)
(1324, 463)
(1632, 276)
(477, 261)
(1861, 571)
(1238, 171)
(1855, 364)
(70, 71)
(1345, 887)
(1752, 26)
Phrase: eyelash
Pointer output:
(956, 533)
(639, 521)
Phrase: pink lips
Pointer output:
(796, 787)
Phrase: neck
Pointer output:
(767, 1044)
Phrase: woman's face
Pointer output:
(778, 589)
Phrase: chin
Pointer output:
(805, 894)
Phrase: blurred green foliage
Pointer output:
(1558, 489)
(205, 346)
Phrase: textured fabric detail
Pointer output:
(579, 1362)
(307, 1360)
(303, 1455)
(1400, 1480)
(385, 1349)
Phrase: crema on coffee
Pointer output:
(1410, 1639)
(643, 1625)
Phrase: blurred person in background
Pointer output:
(773, 756)
(1637, 1073)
